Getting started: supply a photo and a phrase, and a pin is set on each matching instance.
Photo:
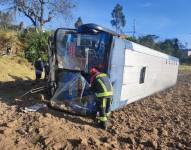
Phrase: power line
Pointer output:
(133, 32)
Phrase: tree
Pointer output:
(41, 11)
(167, 46)
(133, 39)
(171, 47)
(118, 18)
(78, 22)
(36, 45)
(149, 41)
(5, 19)
(176, 46)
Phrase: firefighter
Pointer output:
(101, 86)
(38, 68)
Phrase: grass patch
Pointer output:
(15, 68)
(184, 67)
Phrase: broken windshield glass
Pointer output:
(81, 51)
(73, 94)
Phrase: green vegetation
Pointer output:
(118, 18)
(36, 45)
(10, 39)
(29, 44)
(33, 44)
(184, 67)
(169, 46)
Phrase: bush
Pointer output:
(10, 39)
(36, 45)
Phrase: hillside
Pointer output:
(15, 68)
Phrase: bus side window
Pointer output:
(142, 75)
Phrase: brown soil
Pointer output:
(161, 121)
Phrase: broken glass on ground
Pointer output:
(34, 107)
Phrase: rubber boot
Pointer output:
(103, 125)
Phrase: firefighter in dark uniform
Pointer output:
(102, 88)
(38, 68)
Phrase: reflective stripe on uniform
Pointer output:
(102, 85)
(101, 75)
(108, 114)
(102, 119)
(104, 103)
(105, 91)
(104, 94)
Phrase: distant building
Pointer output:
(186, 53)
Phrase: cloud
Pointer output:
(146, 4)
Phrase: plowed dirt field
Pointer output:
(161, 121)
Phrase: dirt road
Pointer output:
(162, 121)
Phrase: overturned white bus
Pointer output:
(135, 70)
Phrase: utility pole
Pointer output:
(134, 28)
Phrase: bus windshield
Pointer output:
(77, 51)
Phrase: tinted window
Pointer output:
(142, 75)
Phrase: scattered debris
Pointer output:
(35, 107)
